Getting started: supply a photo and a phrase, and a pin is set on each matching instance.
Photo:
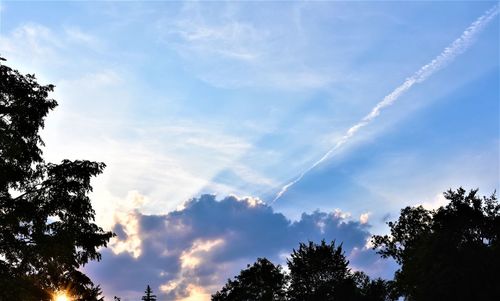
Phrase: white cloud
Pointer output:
(233, 40)
(166, 164)
(363, 218)
(229, 52)
(130, 227)
(228, 146)
(169, 160)
(193, 257)
(196, 293)
(438, 201)
(30, 42)
(82, 38)
(50, 52)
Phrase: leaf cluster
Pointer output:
(261, 281)
(316, 272)
(451, 253)
(47, 229)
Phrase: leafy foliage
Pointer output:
(374, 289)
(263, 281)
(319, 272)
(46, 218)
(451, 253)
(23, 107)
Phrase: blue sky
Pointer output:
(182, 99)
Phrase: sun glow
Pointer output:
(61, 296)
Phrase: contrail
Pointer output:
(444, 58)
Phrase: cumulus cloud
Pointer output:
(189, 253)
(363, 218)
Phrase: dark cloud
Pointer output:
(211, 240)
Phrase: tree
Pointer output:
(263, 281)
(46, 219)
(149, 295)
(451, 253)
(317, 272)
(320, 272)
(374, 289)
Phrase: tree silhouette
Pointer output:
(317, 272)
(374, 290)
(46, 218)
(263, 281)
(451, 253)
(149, 295)
(320, 272)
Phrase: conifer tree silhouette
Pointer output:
(148, 295)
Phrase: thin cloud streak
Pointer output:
(442, 60)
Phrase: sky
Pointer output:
(214, 119)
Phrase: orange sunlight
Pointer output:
(61, 296)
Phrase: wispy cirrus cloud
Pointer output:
(457, 47)
(51, 51)
(170, 159)
(229, 52)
